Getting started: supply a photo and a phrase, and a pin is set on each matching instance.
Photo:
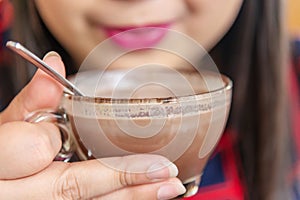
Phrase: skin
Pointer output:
(204, 21)
(27, 169)
(35, 147)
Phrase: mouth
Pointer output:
(137, 37)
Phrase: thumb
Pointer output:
(41, 92)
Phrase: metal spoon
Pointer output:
(31, 57)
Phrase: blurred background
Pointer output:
(293, 17)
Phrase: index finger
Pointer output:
(88, 179)
(41, 92)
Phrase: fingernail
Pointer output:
(52, 54)
(160, 171)
(170, 190)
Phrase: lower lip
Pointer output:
(137, 37)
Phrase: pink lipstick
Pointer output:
(137, 37)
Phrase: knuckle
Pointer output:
(67, 186)
(126, 178)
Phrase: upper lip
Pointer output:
(132, 25)
(140, 14)
(128, 27)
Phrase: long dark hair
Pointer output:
(253, 54)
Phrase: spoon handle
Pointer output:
(29, 56)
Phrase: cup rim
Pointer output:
(226, 86)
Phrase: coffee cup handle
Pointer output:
(60, 119)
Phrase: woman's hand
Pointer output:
(27, 150)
